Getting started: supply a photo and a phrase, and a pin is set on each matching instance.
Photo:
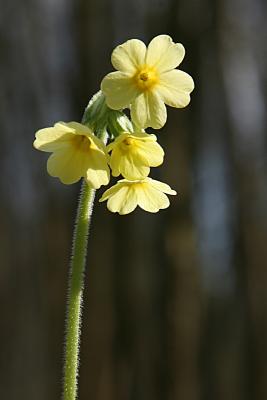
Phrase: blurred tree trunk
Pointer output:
(247, 119)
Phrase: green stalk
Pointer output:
(76, 285)
(95, 118)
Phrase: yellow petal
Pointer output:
(164, 54)
(151, 153)
(111, 191)
(60, 136)
(141, 134)
(130, 201)
(97, 178)
(97, 171)
(121, 197)
(51, 139)
(70, 164)
(150, 199)
(149, 110)
(128, 56)
(80, 129)
(133, 154)
(64, 127)
(114, 161)
(163, 187)
(147, 193)
(116, 201)
(117, 141)
(138, 134)
(122, 200)
(66, 165)
(127, 164)
(119, 90)
(175, 88)
(131, 168)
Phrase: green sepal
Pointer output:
(118, 123)
(102, 119)
(96, 114)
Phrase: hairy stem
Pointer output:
(73, 323)
(95, 117)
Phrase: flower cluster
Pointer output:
(146, 79)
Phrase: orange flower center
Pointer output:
(128, 141)
(145, 78)
(129, 145)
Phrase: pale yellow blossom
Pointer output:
(146, 79)
(132, 155)
(147, 193)
(76, 152)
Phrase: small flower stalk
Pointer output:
(108, 143)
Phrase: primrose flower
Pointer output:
(132, 155)
(76, 153)
(147, 193)
(146, 79)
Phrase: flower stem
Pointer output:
(73, 323)
(95, 117)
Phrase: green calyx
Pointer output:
(100, 118)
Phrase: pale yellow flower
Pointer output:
(76, 153)
(132, 155)
(146, 79)
(147, 193)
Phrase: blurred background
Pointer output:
(175, 303)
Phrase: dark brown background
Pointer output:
(175, 303)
